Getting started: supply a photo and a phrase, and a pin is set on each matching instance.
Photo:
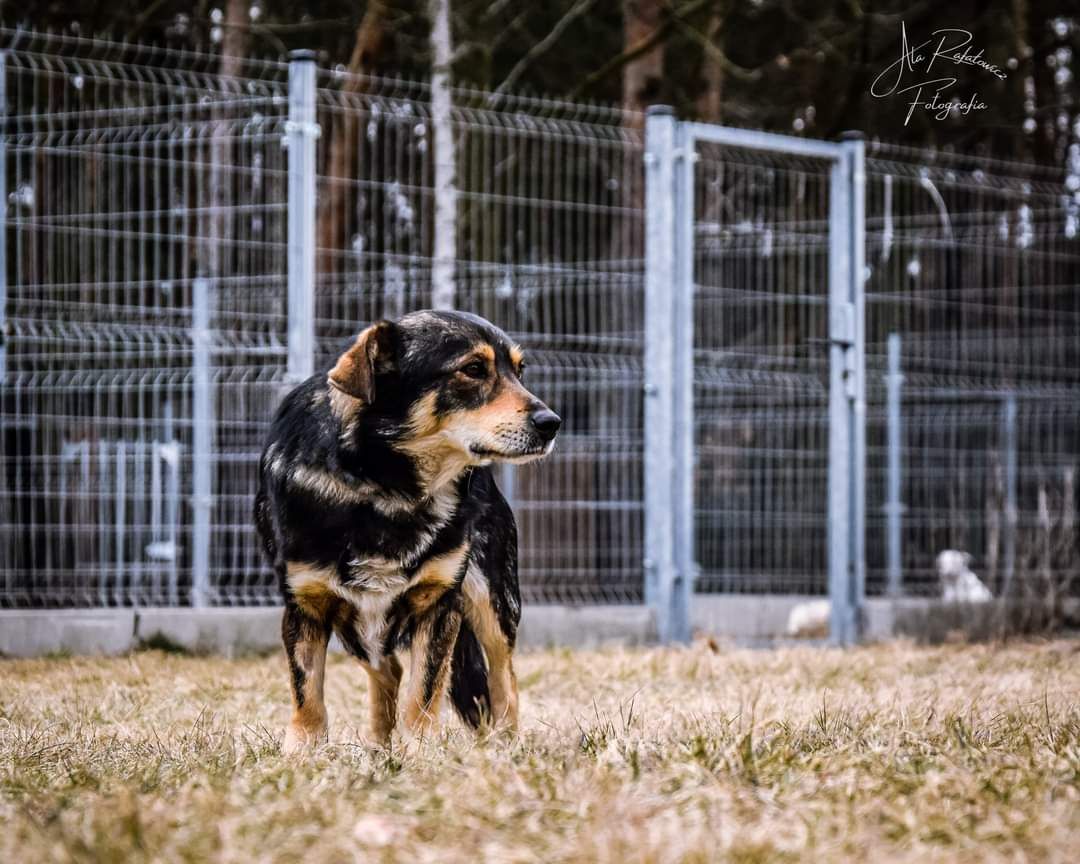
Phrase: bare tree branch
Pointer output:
(742, 73)
(642, 47)
(495, 8)
(545, 44)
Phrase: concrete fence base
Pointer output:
(247, 630)
(746, 619)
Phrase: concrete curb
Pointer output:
(586, 626)
(245, 630)
(39, 632)
(229, 631)
(746, 619)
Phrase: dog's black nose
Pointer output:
(546, 422)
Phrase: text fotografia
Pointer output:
(908, 75)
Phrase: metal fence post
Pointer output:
(301, 134)
(856, 149)
(1011, 512)
(669, 384)
(894, 508)
(103, 527)
(202, 420)
(841, 340)
(847, 392)
(659, 560)
(120, 521)
(682, 441)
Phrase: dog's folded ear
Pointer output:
(372, 352)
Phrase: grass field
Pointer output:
(886, 753)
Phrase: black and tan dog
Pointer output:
(385, 526)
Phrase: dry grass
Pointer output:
(888, 753)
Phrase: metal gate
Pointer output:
(755, 391)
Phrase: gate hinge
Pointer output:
(842, 331)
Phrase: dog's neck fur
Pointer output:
(378, 448)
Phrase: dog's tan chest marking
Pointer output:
(374, 585)
(311, 585)
(375, 573)
(434, 578)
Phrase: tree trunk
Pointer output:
(710, 102)
(371, 37)
(643, 75)
(1021, 48)
(641, 86)
(234, 37)
(444, 244)
(233, 49)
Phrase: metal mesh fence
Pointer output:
(974, 264)
(146, 251)
(549, 244)
(760, 370)
(147, 188)
(135, 192)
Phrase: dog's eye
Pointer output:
(476, 369)
(521, 371)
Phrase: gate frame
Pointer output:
(669, 560)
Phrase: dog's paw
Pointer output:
(300, 740)
(502, 730)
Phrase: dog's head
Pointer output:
(952, 564)
(448, 386)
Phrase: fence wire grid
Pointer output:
(146, 223)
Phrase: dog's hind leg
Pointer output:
(305, 639)
(429, 668)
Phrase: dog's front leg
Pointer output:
(502, 682)
(305, 641)
(429, 669)
(383, 682)
(498, 649)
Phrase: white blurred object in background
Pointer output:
(958, 583)
(808, 620)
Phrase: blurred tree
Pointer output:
(444, 246)
(371, 40)
(643, 55)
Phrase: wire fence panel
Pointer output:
(549, 245)
(146, 301)
(131, 182)
(761, 370)
(974, 263)
(148, 193)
